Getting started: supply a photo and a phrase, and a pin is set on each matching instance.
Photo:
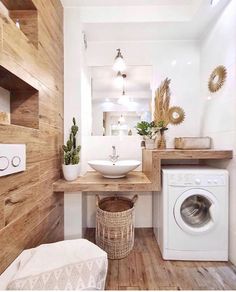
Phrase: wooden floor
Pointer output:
(144, 269)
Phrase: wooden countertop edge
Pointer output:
(139, 183)
(191, 154)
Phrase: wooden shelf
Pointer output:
(152, 160)
(24, 103)
(26, 13)
(147, 180)
(93, 181)
(191, 154)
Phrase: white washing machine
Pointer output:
(190, 214)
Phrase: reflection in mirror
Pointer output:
(120, 101)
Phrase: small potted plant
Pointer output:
(71, 155)
(149, 133)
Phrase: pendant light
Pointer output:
(119, 80)
(119, 64)
(122, 119)
(124, 98)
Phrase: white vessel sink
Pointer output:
(114, 170)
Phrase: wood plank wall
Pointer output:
(30, 214)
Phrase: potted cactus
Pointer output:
(71, 155)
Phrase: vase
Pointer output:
(70, 172)
(161, 142)
(150, 144)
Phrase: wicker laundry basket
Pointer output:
(115, 225)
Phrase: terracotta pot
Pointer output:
(70, 172)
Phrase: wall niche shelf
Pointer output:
(25, 12)
(24, 100)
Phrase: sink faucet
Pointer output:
(114, 157)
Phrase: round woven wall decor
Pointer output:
(176, 115)
(217, 78)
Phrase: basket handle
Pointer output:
(134, 199)
(97, 200)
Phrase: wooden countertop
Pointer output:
(149, 179)
(93, 181)
(153, 159)
(191, 154)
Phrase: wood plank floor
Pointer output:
(144, 269)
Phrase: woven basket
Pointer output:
(115, 225)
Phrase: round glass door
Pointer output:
(196, 211)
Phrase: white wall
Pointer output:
(219, 118)
(178, 60)
(4, 100)
(128, 147)
(76, 90)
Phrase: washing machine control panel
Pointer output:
(196, 180)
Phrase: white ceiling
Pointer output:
(74, 3)
(141, 20)
(137, 81)
(146, 20)
(193, 28)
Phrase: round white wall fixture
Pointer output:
(16, 161)
(4, 163)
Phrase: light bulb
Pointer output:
(123, 100)
(119, 80)
(121, 119)
(119, 64)
(214, 2)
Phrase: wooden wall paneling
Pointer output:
(50, 113)
(30, 213)
(51, 226)
(19, 202)
(15, 236)
(51, 42)
(19, 4)
(19, 57)
(11, 134)
(19, 181)
(25, 108)
(28, 23)
(50, 169)
(1, 36)
(12, 82)
(2, 214)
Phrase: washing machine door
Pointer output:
(196, 211)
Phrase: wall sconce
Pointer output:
(119, 64)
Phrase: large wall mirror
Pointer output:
(120, 101)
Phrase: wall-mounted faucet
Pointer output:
(114, 157)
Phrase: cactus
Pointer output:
(71, 151)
